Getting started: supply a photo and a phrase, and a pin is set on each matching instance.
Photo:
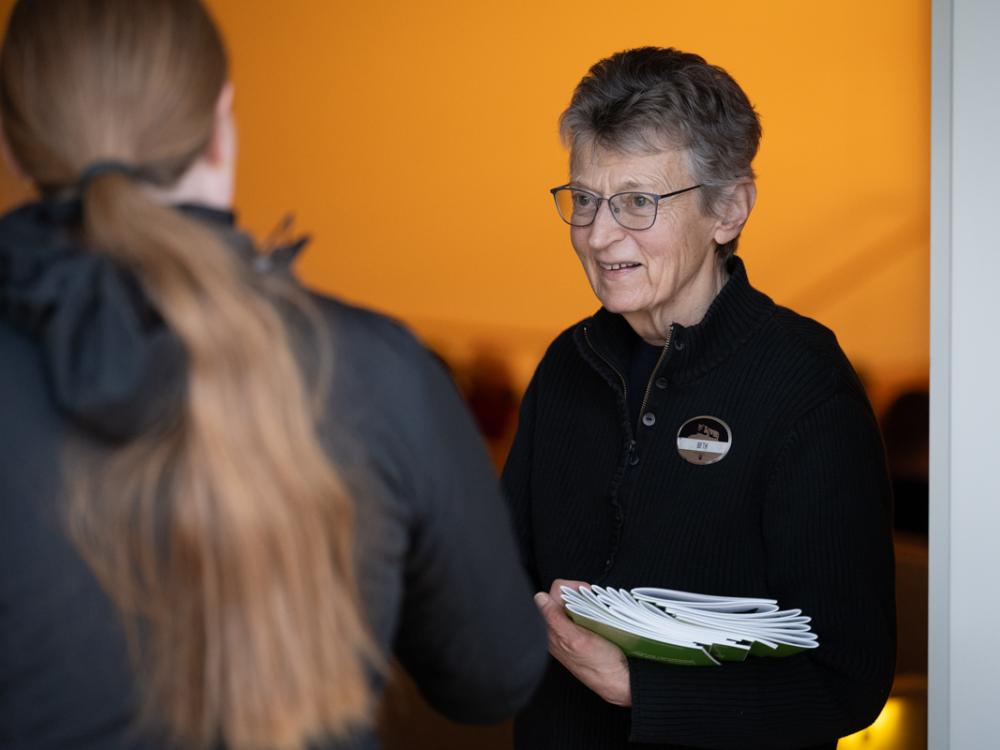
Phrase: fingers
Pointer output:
(597, 663)
(555, 590)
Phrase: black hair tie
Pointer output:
(98, 168)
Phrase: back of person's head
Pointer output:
(223, 533)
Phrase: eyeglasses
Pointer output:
(632, 210)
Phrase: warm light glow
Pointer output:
(383, 125)
(441, 103)
(884, 731)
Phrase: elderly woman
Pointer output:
(791, 502)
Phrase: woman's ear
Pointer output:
(221, 148)
(736, 208)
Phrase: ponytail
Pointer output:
(226, 536)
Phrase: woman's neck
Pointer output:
(202, 184)
(652, 324)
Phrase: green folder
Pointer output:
(646, 648)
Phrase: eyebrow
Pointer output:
(627, 185)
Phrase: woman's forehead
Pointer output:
(616, 170)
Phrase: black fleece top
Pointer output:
(797, 510)
(84, 354)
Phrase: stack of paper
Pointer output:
(686, 628)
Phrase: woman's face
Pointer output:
(657, 276)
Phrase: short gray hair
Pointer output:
(649, 99)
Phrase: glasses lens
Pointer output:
(634, 210)
(577, 207)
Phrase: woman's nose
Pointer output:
(605, 230)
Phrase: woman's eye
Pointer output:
(582, 199)
(639, 201)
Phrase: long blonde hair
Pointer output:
(225, 535)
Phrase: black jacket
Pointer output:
(797, 510)
(82, 352)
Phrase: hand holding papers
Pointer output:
(679, 627)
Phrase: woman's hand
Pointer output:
(597, 663)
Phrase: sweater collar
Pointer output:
(735, 313)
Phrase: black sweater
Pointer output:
(797, 510)
(82, 353)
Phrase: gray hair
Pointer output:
(649, 99)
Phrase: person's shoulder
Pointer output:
(804, 331)
(804, 335)
(388, 389)
(379, 364)
(367, 337)
(810, 354)
(18, 218)
(362, 324)
(564, 346)
(565, 340)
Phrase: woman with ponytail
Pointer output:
(225, 502)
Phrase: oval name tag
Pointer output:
(704, 440)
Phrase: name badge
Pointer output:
(704, 440)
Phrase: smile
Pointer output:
(617, 266)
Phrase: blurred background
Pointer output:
(416, 142)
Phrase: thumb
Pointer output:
(550, 610)
(546, 605)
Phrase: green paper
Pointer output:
(646, 648)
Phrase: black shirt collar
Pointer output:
(735, 313)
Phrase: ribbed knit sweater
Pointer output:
(797, 510)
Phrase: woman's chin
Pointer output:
(620, 305)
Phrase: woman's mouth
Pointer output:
(617, 269)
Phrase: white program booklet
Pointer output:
(681, 627)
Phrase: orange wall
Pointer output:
(416, 142)
(394, 129)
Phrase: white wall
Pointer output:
(964, 662)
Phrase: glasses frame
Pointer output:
(656, 198)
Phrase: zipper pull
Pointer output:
(633, 453)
